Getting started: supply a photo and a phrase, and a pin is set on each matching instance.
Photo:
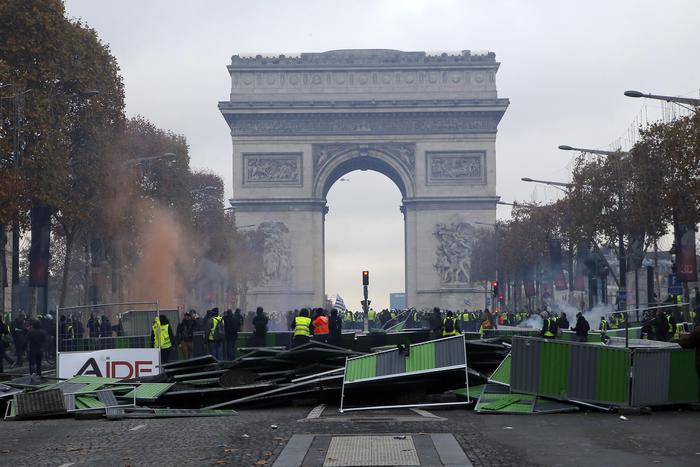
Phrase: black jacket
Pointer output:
(582, 327)
(260, 325)
(335, 325)
(563, 323)
(36, 338)
(232, 324)
(185, 330)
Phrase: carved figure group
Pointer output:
(453, 252)
(455, 167)
(277, 169)
(277, 264)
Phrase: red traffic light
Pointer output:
(365, 277)
(494, 284)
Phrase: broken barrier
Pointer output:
(402, 377)
(599, 374)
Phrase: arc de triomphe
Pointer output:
(428, 122)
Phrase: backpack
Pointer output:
(449, 324)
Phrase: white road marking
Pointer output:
(137, 427)
(67, 464)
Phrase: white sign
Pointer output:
(112, 363)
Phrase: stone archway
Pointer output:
(428, 123)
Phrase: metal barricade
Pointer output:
(93, 339)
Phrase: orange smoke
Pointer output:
(159, 273)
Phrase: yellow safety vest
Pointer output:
(215, 324)
(454, 331)
(548, 332)
(160, 333)
(347, 316)
(301, 326)
(603, 325)
(371, 314)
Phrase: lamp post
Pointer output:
(561, 186)
(600, 152)
(676, 100)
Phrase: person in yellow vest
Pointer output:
(549, 326)
(464, 318)
(603, 324)
(347, 318)
(302, 328)
(214, 333)
(162, 337)
(320, 326)
(449, 325)
(371, 316)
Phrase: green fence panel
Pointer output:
(422, 357)
(683, 384)
(612, 376)
(554, 369)
(361, 368)
(502, 373)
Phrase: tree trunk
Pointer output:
(70, 237)
(87, 274)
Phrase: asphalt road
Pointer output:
(667, 438)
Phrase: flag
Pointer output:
(339, 303)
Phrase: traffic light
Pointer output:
(494, 288)
(368, 302)
(365, 277)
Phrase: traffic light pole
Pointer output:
(365, 302)
(365, 308)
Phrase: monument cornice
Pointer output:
(363, 123)
(363, 58)
(346, 104)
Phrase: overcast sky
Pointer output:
(564, 66)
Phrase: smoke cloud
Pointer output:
(161, 272)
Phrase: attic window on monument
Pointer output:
(364, 231)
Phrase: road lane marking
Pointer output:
(137, 427)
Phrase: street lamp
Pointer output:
(676, 100)
(600, 152)
(557, 185)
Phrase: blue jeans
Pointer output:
(214, 348)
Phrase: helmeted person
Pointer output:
(449, 325)
(301, 328)
(214, 333)
(162, 337)
(549, 326)
(320, 326)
